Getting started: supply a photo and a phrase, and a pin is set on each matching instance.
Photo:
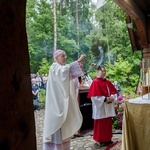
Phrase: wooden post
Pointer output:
(17, 126)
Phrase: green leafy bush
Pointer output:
(42, 96)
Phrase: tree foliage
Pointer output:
(103, 27)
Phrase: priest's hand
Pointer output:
(109, 100)
(82, 57)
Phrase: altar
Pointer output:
(136, 125)
(85, 105)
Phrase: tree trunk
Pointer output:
(77, 25)
(60, 7)
(17, 126)
(55, 25)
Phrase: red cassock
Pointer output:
(101, 87)
(102, 127)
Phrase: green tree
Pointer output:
(121, 71)
(40, 32)
(44, 67)
(103, 27)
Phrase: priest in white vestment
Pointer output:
(62, 114)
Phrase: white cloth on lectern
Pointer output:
(145, 99)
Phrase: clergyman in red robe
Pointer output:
(103, 96)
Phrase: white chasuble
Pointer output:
(61, 108)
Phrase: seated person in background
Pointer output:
(86, 80)
(35, 90)
(117, 88)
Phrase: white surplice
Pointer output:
(101, 109)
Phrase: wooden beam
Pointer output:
(148, 28)
(139, 19)
(131, 9)
(146, 52)
(131, 33)
(141, 29)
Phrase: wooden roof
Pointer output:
(139, 15)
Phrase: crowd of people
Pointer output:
(38, 82)
(41, 80)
